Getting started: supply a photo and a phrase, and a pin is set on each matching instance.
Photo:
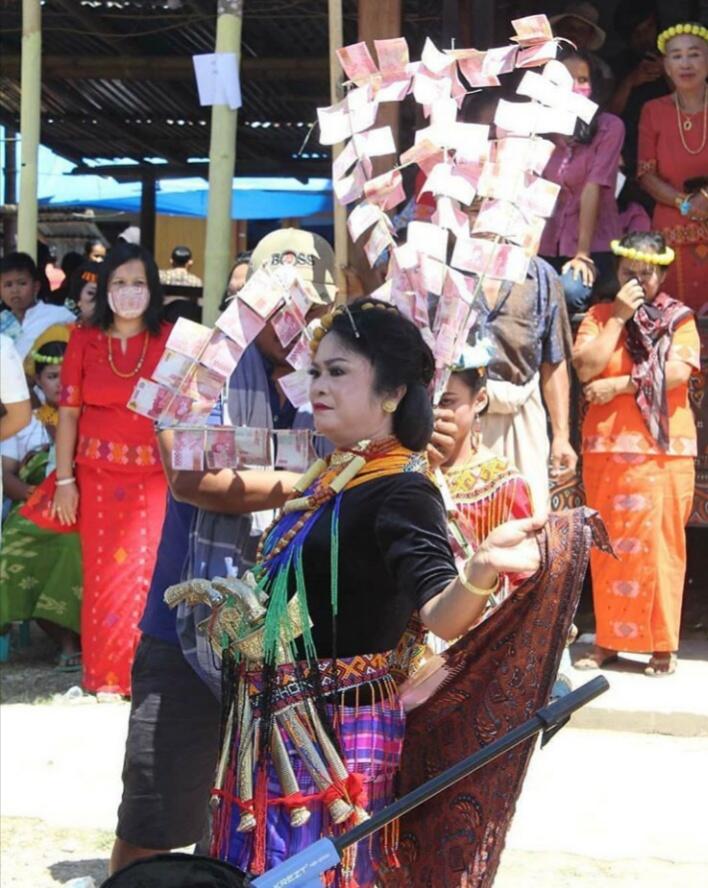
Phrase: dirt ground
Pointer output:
(60, 786)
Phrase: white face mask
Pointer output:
(129, 301)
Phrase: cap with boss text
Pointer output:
(309, 254)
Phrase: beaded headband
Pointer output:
(45, 359)
(89, 277)
(677, 31)
(665, 258)
(328, 320)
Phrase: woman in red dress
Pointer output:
(109, 478)
(673, 161)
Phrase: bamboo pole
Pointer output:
(30, 110)
(341, 235)
(222, 160)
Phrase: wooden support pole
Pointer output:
(341, 235)
(9, 222)
(29, 125)
(147, 212)
(222, 160)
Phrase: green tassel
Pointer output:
(301, 592)
(334, 558)
(277, 617)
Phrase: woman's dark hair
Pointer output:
(120, 254)
(91, 243)
(84, 274)
(70, 262)
(400, 357)
(54, 349)
(585, 132)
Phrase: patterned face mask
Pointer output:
(128, 301)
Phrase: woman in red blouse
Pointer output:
(109, 478)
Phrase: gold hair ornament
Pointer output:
(327, 321)
(665, 258)
(687, 30)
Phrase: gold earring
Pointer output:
(390, 406)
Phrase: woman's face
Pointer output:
(87, 301)
(650, 276)
(97, 253)
(345, 406)
(465, 404)
(580, 72)
(686, 61)
(49, 380)
(128, 293)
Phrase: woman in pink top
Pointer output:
(576, 240)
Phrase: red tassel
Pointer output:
(258, 859)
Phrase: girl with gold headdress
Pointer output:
(40, 570)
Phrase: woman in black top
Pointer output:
(313, 726)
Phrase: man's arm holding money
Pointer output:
(225, 490)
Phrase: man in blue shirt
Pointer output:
(210, 528)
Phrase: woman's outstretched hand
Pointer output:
(510, 548)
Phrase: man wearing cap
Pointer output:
(173, 732)
(179, 274)
(579, 23)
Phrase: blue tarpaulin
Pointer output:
(252, 198)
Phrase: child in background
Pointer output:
(81, 298)
(40, 570)
(24, 317)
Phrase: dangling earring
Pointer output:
(390, 406)
(476, 435)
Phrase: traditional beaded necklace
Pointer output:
(137, 367)
(687, 124)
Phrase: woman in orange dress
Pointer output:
(673, 161)
(109, 480)
(635, 356)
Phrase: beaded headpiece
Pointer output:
(327, 321)
(687, 29)
(665, 258)
(55, 333)
(89, 277)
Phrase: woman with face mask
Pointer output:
(673, 160)
(109, 483)
(576, 238)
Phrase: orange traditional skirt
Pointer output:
(645, 502)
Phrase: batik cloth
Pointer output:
(645, 502)
(40, 571)
(485, 685)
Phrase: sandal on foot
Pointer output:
(69, 662)
(662, 665)
(595, 660)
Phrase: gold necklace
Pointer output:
(687, 124)
(137, 367)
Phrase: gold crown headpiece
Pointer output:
(665, 258)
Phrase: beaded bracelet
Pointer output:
(62, 482)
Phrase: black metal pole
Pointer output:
(545, 718)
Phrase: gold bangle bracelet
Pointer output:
(475, 590)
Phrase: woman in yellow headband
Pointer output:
(673, 159)
(635, 356)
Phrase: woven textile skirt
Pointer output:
(370, 738)
(645, 502)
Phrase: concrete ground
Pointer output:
(600, 807)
